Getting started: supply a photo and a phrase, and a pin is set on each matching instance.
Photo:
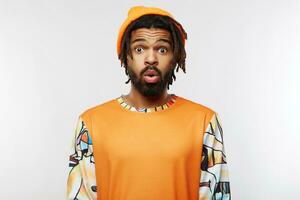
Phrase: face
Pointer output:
(151, 66)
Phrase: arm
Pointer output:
(81, 184)
(214, 180)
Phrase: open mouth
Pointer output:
(151, 78)
(151, 72)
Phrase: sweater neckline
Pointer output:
(120, 100)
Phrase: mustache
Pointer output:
(151, 67)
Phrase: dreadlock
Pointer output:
(156, 21)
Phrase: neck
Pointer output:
(137, 100)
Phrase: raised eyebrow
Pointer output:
(164, 40)
(160, 40)
(138, 40)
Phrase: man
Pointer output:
(148, 144)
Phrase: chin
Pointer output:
(151, 90)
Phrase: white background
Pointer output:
(58, 58)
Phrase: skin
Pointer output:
(151, 49)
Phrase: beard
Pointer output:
(150, 89)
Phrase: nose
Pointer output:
(151, 58)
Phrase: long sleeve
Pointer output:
(81, 183)
(214, 180)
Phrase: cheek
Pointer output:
(134, 65)
(166, 62)
(136, 62)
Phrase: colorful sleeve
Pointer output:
(81, 183)
(214, 179)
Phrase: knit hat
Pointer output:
(137, 11)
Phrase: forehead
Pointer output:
(146, 34)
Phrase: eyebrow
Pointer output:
(160, 40)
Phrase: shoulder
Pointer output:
(100, 108)
(197, 106)
(205, 112)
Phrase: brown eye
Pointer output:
(139, 50)
(163, 50)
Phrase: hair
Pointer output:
(157, 21)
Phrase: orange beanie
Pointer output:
(136, 12)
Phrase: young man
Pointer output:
(148, 144)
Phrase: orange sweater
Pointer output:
(147, 156)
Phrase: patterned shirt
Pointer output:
(214, 179)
